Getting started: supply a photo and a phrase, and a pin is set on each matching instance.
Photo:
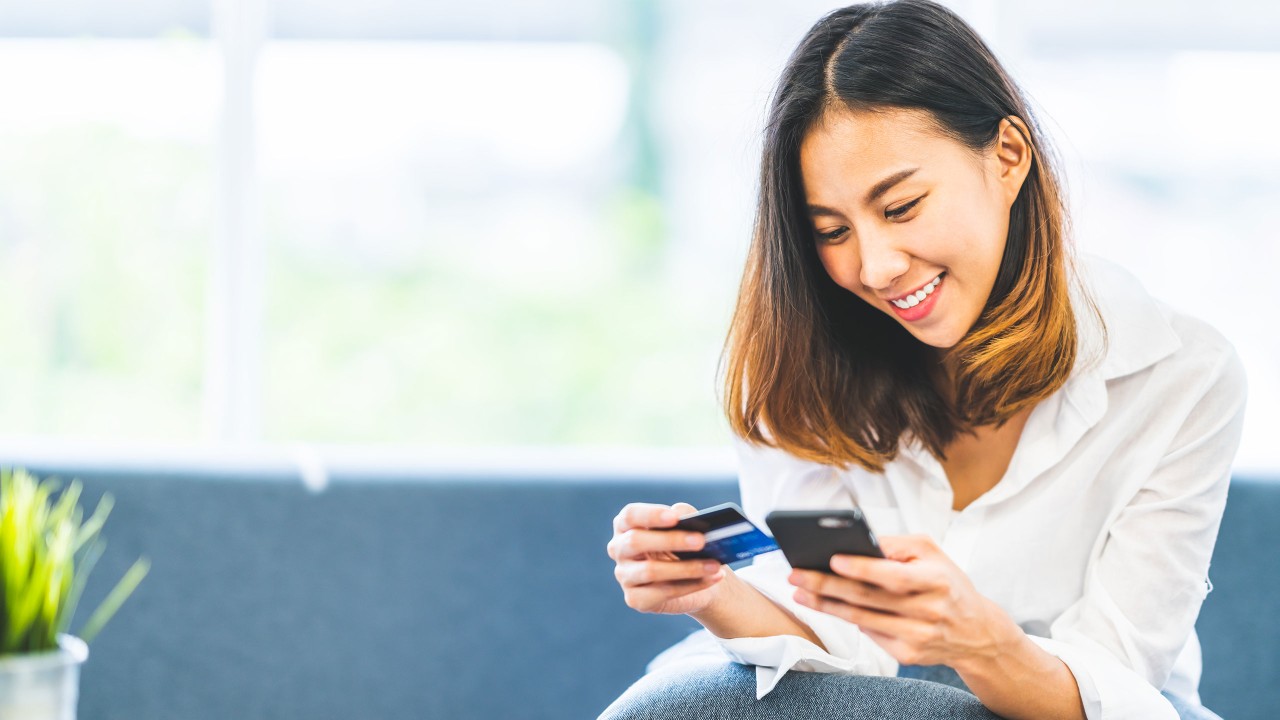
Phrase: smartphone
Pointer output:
(731, 537)
(809, 538)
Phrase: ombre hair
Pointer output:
(813, 369)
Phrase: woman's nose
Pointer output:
(881, 263)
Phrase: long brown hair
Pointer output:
(814, 370)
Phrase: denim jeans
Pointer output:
(699, 689)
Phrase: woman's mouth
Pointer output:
(918, 305)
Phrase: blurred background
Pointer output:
(398, 225)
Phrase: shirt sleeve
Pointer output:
(1149, 575)
(769, 479)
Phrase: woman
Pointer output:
(1043, 449)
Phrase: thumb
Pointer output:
(684, 508)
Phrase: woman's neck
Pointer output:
(944, 373)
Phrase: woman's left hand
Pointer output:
(916, 604)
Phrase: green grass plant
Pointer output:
(46, 555)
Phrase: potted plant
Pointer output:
(46, 554)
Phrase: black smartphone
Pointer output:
(730, 536)
(809, 538)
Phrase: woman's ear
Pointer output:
(1013, 154)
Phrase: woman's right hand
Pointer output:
(653, 579)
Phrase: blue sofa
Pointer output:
(398, 593)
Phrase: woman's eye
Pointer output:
(827, 237)
(902, 210)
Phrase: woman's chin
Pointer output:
(938, 337)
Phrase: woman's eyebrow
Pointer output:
(874, 194)
(886, 184)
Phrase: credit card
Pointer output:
(731, 537)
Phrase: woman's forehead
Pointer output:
(892, 135)
(847, 155)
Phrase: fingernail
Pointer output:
(794, 578)
(692, 541)
(669, 516)
(711, 566)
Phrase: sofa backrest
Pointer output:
(382, 597)
(430, 595)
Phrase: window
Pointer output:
(106, 167)
(424, 224)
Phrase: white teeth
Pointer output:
(911, 301)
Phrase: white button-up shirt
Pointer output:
(1096, 540)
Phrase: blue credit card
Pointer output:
(731, 537)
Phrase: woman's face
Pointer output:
(911, 221)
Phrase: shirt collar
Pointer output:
(1137, 334)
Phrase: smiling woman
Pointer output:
(952, 192)
(945, 195)
(913, 336)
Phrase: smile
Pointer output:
(910, 301)
(920, 303)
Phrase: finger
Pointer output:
(901, 651)
(846, 589)
(877, 636)
(908, 547)
(635, 543)
(643, 597)
(644, 515)
(645, 572)
(877, 621)
(853, 592)
(892, 575)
